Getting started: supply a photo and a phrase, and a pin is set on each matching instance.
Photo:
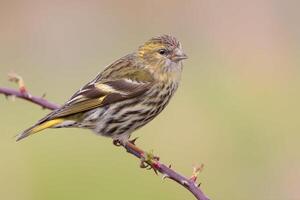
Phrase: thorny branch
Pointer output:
(152, 161)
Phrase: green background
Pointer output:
(236, 111)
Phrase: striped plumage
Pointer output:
(126, 95)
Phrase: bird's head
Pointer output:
(164, 52)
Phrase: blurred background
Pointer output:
(236, 111)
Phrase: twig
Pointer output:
(23, 94)
(36, 100)
(166, 171)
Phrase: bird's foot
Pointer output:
(117, 142)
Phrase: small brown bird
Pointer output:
(125, 96)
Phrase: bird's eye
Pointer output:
(162, 51)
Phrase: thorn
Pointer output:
(170, 166)
(155, 171)
(13, 77)
(196, 171)
(43, 95)
(184, 182)
(149, 167)
(199, 185)
(133, 141)
(165, 176)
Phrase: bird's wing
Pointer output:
(101, 94)
(120, 81)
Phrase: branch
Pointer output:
(36, 100)
(152, 161)
(23, 94)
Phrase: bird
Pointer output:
(125, 96)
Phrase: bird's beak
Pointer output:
(179, 55)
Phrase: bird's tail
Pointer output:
(39, 127)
